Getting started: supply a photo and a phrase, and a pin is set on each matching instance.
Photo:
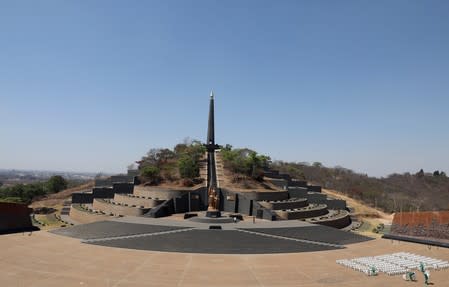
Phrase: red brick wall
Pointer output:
(433, 224)
(14, 216)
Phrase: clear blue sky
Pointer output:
(93, 85)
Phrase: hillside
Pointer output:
(56, 200)
(394, 193)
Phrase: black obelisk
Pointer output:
(213, 192)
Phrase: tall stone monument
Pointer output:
(213, 190)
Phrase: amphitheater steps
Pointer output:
(66, 207)
(303, 213)
(284, 204)
(131, 199)
(110, 207)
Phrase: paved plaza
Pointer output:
(195, 237)
(46, 259)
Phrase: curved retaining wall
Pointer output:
(263, 195)
(138, 201)
(106, 207)
(286, 204)
(340, 221)
(82, 216)
(158, 193)
(302, 213)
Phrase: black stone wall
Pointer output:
(102, 192)
(164, 209)
(82, 198)
(314, 188)
(314, 197)
(336, 203)
(297, 192)
(123, 187)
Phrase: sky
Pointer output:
(93, 85)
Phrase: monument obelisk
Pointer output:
(213, 192)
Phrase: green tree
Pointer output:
(150, 172)
(317, 164)
(188, 167)
(55, 184)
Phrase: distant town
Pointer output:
(13, 176)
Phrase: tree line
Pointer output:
(396, 192)
(25, 193)
(171, 165)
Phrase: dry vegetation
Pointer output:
(396, 192)
(56, 200)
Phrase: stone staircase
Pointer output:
(219, 168)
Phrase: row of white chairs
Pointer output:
(427, 261)
(393, 264)
(354, 266)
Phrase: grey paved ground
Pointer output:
(194, 237)
(214, 242)
(315, 233)
(105, 229)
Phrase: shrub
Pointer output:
(150, 172)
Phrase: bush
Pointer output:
(150, 172)
(188, 167)
(245, 161)
(56, 184)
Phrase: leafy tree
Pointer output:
(436, 173)
(245, 161)
(150, 172)
(188, 167)
(56, 184)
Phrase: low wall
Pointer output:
(302, 213)
(138, 201)
(278, 175)
(14, 217)
(297, 192)
(228, 201)
(123, 187)
(297, 183)
(158, 193)
(162, 210)
(102, 182)
(116, 209)
(102, 192)
(278, 182)
(420, 240)
(265, 195)
(83, 216)
(287, 204)
(122, 178)
(315, 197)
(314, 188)
(340, 221)
(263, 213)
(336, 204)
(79, 197)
